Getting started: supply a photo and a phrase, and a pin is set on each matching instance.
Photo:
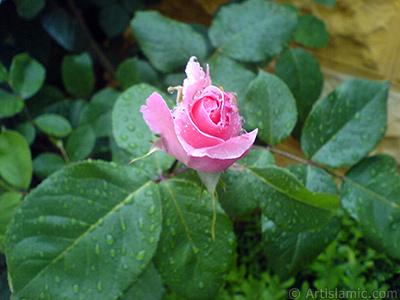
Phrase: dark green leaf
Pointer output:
(289, 204)
(289, 252)
(311, 32)
(326, 2)
(113, 19)
(48, 95)
(252, 31)
(47, 163)
(29, 9)
(190, 262)
(86, 232)
(270, 106)
(236, 196)
(15, 159)
(301, 72)
(98, 112)
(53, 125)
(133, 5)
(133, 71)
(26, 75)
(148, 287)
(370, 193)
(80, 143)
(347, 124)
(62, 27)
(10, 104)
(28, 130)
(232, 76)
(3, 73)
(77, 74)
(9, 201)
(168, 44)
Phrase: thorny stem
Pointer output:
(97, 52)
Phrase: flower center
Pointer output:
(212, 107)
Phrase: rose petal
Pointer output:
(158, 116)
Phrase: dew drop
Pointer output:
(99, 286)
(152, 210)
(57, 279)
(76, 289)
(112, 253)
(42, 219)
(141, 254)
(97, 249)
(123, 225)
(141, 224)
(124, 137)
(110, 239)
(201, 285)
(139, 135)
(131, 128)
(132, 145)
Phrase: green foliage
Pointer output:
(264, 25)
(359, 108)
(29, 9)
(278, 115)
(168, 44)
(326, 2)
(133, 71)
(47, 163)
(54, 125)
(80, 143)
(10, 104)
(311, 32)
(9, 202)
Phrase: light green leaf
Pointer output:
(301, 72)
(86, 232)
(235, 196)
(29, 9)
(47, 163)
(53, 125)
(10, 104)
(346, 125)
(311, 32)
(370, 193)
(232, 76)
(9, 201)
(26, 75)
(113, 19)
(15, 159)
(77, 74)
(28, 130)
(167, 43)
(3, 73)
(252, 31)
(80, 143)
(98, 112)
(190, 262)
(270, 106)
(289, 204)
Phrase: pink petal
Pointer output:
(158, 116)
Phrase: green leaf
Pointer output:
(190, 262)
(10, 105)
(80, 143)
(289, 204)
(53, 125)
(167, 43)
(311, 32)
(26, 75)
(77, 74)
(252, 31)
(3, 73)
(98, 112)
(9, 201)
(133, 71)
(113, 19)
(301, 72)
(149, 286)
(47, 96)
(370, 193)
(86, 232)
(28, 130)
(326, 2)
(235, 196)
(47, 163)
(270, 106)
(15, 159)
(29, 9)
(63, 28)
(288, 252)
(347, 124)
(232, 76)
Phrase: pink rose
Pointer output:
(204, 130)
